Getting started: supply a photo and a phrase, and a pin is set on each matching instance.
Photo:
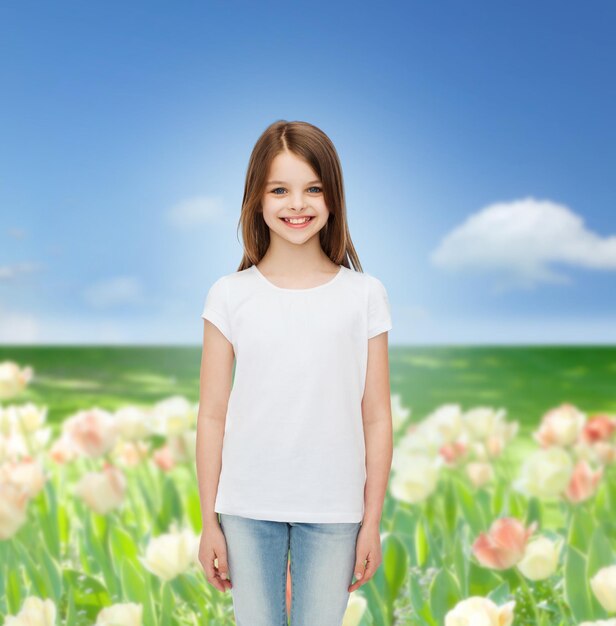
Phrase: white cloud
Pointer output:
(196, 211)
(117, 291)
(520, 240)
(9, 272)
(17, 327)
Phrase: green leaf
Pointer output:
(444, 594)
(576, 585)
(472, 513)
(421, 543)
(395, 565)
(89, 594)
(501, 594)
(171, 508)
(600, 554)
(580, 529)
(451, 508)
(53, 573)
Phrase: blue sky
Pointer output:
(477, 140)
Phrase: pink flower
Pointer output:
(452, 452)
(163, 457)
(504, 544)
(583, 483)
(598, 428)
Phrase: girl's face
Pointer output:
(293, 190)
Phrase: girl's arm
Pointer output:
(215, 386)
(376, 414)
(378, 436)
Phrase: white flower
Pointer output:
(399, 413)
(603, 585)
(123, 614)
(171, 554)
(173, 416)
(13, 503)
(415, 478)
(480, 422)
(34, 612)
(447, 421)
(540, 558)
(13, 379)
(133, 423)
(92, 431)
(355, 610)
(560, 426)
(102, 491)
(545, 473)
(478, 611)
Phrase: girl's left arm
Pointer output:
(378, 436)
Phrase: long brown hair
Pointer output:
(311, 144)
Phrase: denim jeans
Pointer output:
(322, 560)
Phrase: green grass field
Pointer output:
(428, 565)
(527, 381)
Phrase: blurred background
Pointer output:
(478, 147)
(477, 143)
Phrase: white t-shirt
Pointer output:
(293, 447)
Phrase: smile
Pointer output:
(297, 221)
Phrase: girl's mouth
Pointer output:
(300, 222)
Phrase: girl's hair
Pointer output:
(313, 146)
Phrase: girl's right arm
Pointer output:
(214, 388)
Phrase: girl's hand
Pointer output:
(213, 547)
(368, 552)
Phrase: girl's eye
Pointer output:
(318, 190)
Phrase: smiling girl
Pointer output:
(294, 448)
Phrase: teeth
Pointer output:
(299, 220)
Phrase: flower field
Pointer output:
(500, 508)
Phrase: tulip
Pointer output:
(415, 478)
(481, 422)
(540, 558)
(133, 423)
(560, 426)
(583, 483)
(13, 379)
(399, 413)
(356, 608)
(504, 544)
(93, 431)
(163, 457)
(26, 473)
(102, 491)
(13, 515)
(123, 614)
(545, 473)
(171, 554)
(603, 585)
(478, 611)
(598, 428)
(173, 416)
(479, 473)
(447, 421)
(34, 612)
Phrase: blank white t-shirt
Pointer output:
(293, 447)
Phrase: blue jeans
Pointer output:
(322, 562)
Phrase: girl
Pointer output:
(293, 460)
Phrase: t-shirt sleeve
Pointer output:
(216, 308)
(379, 311)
